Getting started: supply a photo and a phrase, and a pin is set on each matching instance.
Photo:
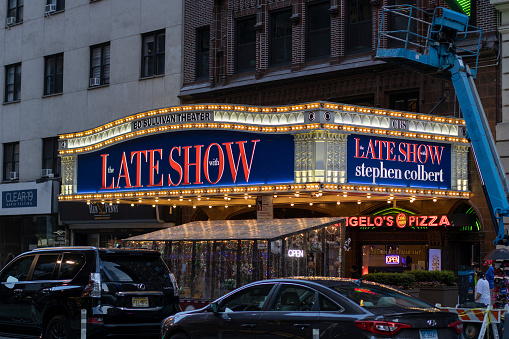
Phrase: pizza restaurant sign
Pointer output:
(400, 220)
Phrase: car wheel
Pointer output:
(471, 330)
(179, 336)
(58, 328)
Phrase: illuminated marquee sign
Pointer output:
(188, 159)
(392, 259)
(398, 221)
(398, 162)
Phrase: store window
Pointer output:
(14, 12)
(153, 54)
(12, 83)
(11, 161)
(202, 52)
(408, 102)
(281, 37)
(54, 74)
(393, 258)
(100, 65)
(50, 158)
(318, 31)
(245, 44)
(359, 26)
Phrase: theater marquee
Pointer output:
(320, 148)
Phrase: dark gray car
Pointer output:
(312, 308)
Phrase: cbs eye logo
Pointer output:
(312, 116)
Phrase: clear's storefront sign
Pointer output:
(396, 162)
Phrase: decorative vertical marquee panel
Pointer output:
(320, 156)
(459, 170)
(336, 158)
(69, 175)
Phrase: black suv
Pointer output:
(61, 292)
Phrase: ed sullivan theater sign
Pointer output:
(239, 147)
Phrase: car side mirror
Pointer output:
(213, 307)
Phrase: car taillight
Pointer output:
(93, 288)
(175, 285)
(457, 325)
(381, 327)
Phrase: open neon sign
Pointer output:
(296, 253)
(392, 259)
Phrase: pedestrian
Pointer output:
(490, 276)
(355, 272)
(482, 290)
(476, 268)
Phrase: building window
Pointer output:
(50, 158)
(403, 22)
(55, 5)
(408, 102)
(202, 52)
(54, 74)
(245, 44)
(11, 161)
(100, 64)
(14, 11)
(281, 37)
(12, 83)
(359, 25)
(318, 31)
(153, 54)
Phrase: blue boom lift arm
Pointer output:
(435, 51)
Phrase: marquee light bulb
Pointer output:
(132, 205)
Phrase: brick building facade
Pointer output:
(345, 73)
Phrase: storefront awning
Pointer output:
(238, 229)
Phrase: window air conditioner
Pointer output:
(13, 176)
(46, 172)
(95, 81)
(11, 20)
(50, 8)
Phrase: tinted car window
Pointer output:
(131, 268)
(45, 267)
(18, 270)
(70, 265)
(378, 297)
(249, 299)
(328, 305)
(294, 298)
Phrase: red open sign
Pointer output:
(392, 259)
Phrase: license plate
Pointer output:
(140, 301)
(428, 334)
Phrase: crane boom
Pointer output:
(435, 51)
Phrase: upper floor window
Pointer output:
(14, 11)
(318, 30)
(202, 52)
(100, 64)
(245, 44)
(54, 74)
(153, 54)
(50, 158)
(281, 37)
(54, 6)
(12, 83)
(405, 102)
(11, 161)
(359, 25)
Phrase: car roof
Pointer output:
(330, 281)
(92, 248)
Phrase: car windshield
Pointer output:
(134, 268)
(381, 298)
